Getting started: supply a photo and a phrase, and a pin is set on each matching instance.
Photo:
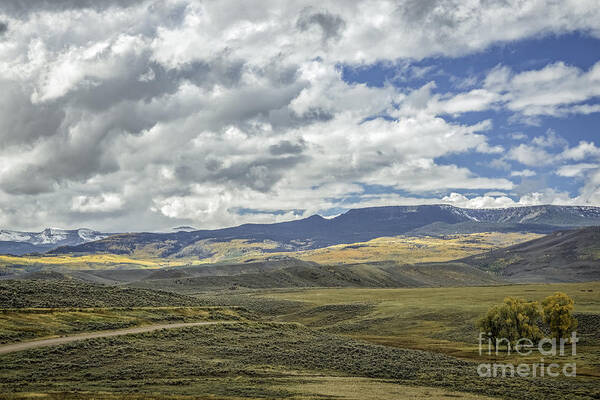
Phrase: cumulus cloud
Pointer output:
(551, 149)
(581, 151)
(530, 199)
(557, 90)
(525, 173)
(487, 201)
(331, 26)
(530, 155)
(106, 202)
(128, 115)
(576, 170)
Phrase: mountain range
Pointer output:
(356, 225)
(569, 251)
(18, 243)
(314, 232)
(563, 256)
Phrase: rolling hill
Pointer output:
(302, 274)
(563, 256)
(54, 293)
(279, 273)
(414, 249)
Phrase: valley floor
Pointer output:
(441, 320)
(298, 344)
(34, 344)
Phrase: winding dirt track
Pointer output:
(11, 348)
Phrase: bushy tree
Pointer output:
(491, 324)
(558, 314)
(514, 319)
(521, 319)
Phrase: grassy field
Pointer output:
(85, 261)
(258, 360)
(77, 294)
(436, 319)
(40, 308)
(309, 388)
(373, 275)
(415, 249)
(31, 323)
(299, 344)
(406, 249)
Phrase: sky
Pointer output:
(125, 116)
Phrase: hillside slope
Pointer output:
(52, 293)
(302, 274)
(564, 256)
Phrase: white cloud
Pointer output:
(524, 173)
(530, 155)
(106, 202)
(460, 200)
(575, 170)
(553, 90)
(529, 199)
(552, 149)
(499, 163)
(550, 140)
(581, 151)
(423, 176)
(556, 90)
(185, 111)
(370, 31)
(518, 136)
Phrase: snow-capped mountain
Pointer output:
(359, 225)
(353, 226)
(13, 236)
(545, 214)
(15, 242)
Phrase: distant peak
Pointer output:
(184, 228)
(54, 230)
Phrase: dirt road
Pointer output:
(10, 348)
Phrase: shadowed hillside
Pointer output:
(565, 256)
(374, 275)
(74, 293)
